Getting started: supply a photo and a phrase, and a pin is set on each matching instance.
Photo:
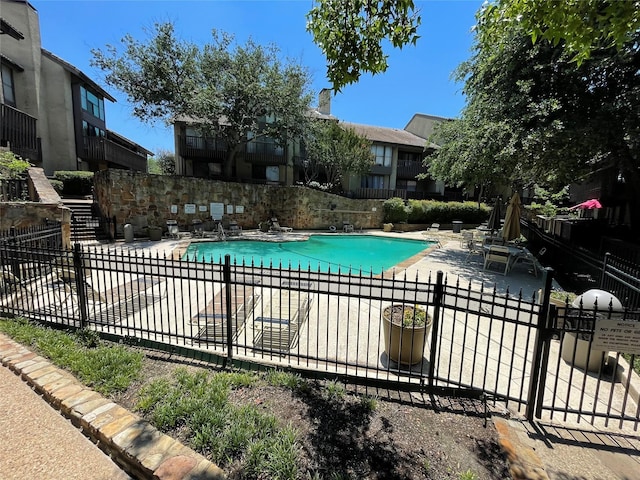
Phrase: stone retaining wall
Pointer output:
(45, 204)
(145, 200)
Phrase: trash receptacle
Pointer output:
(457, 226)
(576, 348)
(128, 233)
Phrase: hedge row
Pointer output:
(432, 211)
(74, 183)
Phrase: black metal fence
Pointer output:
(480, 344)
(14, 189)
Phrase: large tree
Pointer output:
(228, 90)
(534, 115)
(583, 26)
(335, 150)
(162, 163)
(350, 34)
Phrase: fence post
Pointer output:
(226, 278)
(438, 293)
(607, 255)
(539, 342)
(80, 283)
(15, 263)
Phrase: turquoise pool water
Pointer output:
(326, 253)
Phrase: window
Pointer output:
(272, 173)
(8, 91)
(382, 154)
(265, 145)
(409, 156)
(373, 181)
(89, 130)
(408, 185)
(194, 138)
(91, 103)
(215, 169)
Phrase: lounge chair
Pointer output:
(198, 228)
(498, 254)
(130, 298)
(347, 227)
(234, 229)
(474, 247)
(275, 227)
(212, 320)
(466, 239)
(529, 259)
(429, 237)
(172, 229)
(278, 327)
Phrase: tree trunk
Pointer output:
(632, 194)
(227, 167)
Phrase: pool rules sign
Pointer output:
(617, 336)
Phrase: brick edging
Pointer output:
(522, 460)
(132, 442)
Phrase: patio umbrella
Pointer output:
(494, 217)
(588, 205)
(511, 227)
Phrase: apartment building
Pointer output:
(398, 159)
(51, 113)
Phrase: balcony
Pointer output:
(18, 130)
(99, 149)
(257, 158)
(380, 170)
(379, 193)
(409, 169)
(202, 148)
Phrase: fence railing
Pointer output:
(591, 270)
(481, 344)
(14, 189)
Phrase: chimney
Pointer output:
(324, 101)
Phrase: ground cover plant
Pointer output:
(107, 368)
(278, 425)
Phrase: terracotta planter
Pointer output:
(404, 344)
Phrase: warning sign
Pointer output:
(617, 336)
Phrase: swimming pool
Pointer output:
(324, 253)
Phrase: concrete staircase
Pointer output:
(85, 227)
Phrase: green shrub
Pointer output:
(76, 183)
(57, 185)
(395, 211)
(432, 211)
(12, 166)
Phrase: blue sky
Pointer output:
(418, 79)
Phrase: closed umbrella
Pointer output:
(494, 217)
(511, 227)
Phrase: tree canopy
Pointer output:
(583, 26)
(534, 115)
(227, 90)
(162, 163)
(350, 34)
(335, 151)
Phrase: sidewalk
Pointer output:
(37, 442)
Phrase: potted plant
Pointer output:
(155, 232)
(561, 299)
(406, 328)
(264, 226)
